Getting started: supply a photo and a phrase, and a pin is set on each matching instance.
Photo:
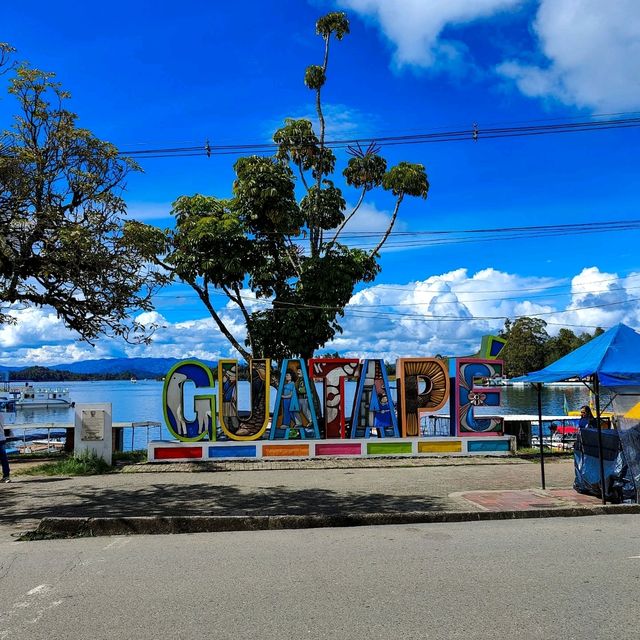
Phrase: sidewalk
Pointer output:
(235, 495)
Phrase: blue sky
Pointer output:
(156, 75)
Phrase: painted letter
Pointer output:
(294, 415)
(470, 371)
(253, 426)
(204, 404)
(333, 372)
(373, 407)
(423, 386)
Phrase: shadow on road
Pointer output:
(172, 500)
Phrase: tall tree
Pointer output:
(63, 240)
(567, 341)
(559, 346)
(288, 250)
(525, 348)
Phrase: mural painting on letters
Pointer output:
(423, 387)
(294, 412)
(373, 409)
(190, 422)
(253, 425)
(334, 372)
(474, 387)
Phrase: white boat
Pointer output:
(29, 397)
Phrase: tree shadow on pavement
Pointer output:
(186, 500)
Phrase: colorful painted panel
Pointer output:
(177, 453)
(473, 380)
(389, 448)
(373, 409)
(491, 347)
(204, 404)
(233, 451)
(294, 413)
(488, 447)
(334, 372)
(423, 386)
(339, 449)
(285, 450)
(250, 427)
(440, 446)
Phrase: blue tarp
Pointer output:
(618, 481)
(614, 356)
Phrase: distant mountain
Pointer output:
(139, 367)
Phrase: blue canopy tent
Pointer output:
(610, 360)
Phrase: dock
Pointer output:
(68, 429)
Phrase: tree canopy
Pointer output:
(530, 348)
(63, 239)
(280, 232)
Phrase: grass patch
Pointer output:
(85, 464)
(130, 457)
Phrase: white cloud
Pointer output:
(34, 326)
(415, 26)
(449, 313)
(593, 54)
(369, 219)
(443, 314)
(341, 121)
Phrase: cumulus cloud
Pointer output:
(444, 314)
(588, 50)
(449, 313)
(592, 51)
(35, 327)
(415, 27)
(604, 299)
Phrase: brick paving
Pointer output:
(508, 500)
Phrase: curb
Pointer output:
(153, 525)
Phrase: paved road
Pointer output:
(537, 579)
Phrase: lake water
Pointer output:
(143, 402)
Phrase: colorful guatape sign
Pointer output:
(424, 385)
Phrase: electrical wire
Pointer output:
(474, 134)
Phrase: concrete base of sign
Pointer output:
(169, 450)
(93, 431)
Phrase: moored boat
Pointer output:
(27, 396)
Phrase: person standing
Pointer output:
(587, 419)
(4, 460)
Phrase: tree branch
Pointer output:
(203, 294)
(245, 313)
(391, 223)
(344, 222)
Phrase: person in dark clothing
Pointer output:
(587, 419)
(4, 460)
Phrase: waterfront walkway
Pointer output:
(284, 493)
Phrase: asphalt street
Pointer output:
(569, 578)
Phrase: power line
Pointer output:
(474, 134)
(410, 289)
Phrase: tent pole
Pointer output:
(539, 389)
(596, 389)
